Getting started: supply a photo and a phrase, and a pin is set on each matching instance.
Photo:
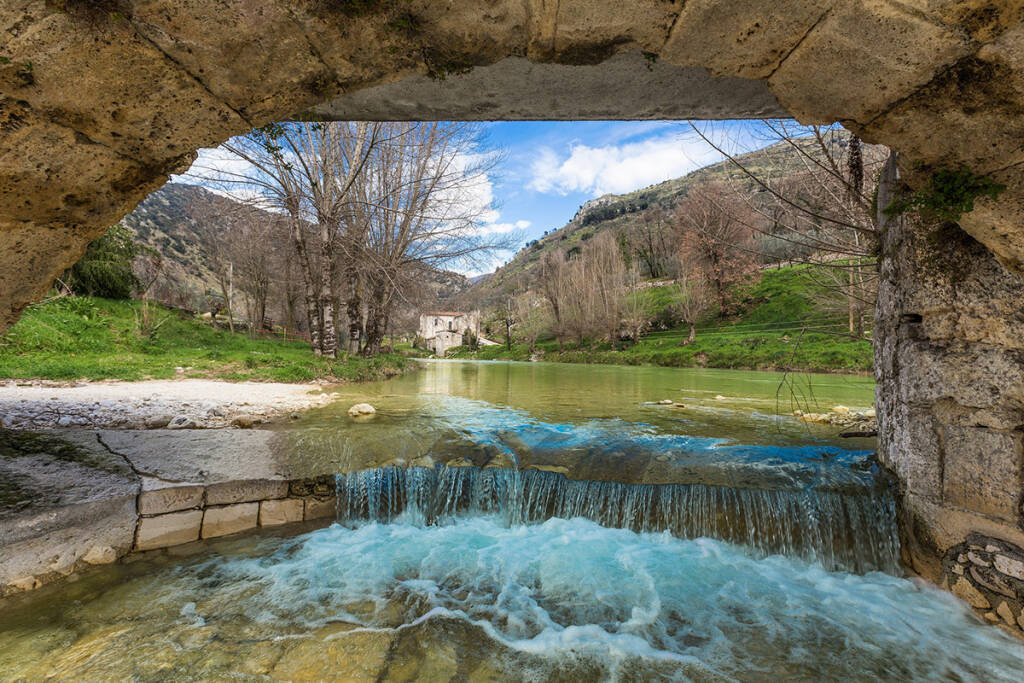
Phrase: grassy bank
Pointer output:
(90, 338)
(779, 326)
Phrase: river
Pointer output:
(517, 521)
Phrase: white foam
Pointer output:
(573, 588)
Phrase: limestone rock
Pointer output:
(100, 555)
(361, 410)
(1010, 566)
(965, 591)
(229, 519)
(174, 528)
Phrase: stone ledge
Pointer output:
(245, 491)
(319, 508)
(173, 528)
(168, 498)
(125, 498)
(229, 519)
(282, 511)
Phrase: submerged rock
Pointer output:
(361, 410)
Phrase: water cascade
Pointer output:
(852, 531)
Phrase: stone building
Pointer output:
(443, 330)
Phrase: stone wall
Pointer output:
(78, 498)
(949, 360)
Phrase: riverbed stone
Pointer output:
(229, 519)
(100, 554)
(173, 528)
(158, 421)
(283, 511)
(182, 422)
(1004, 611)
(361, 410)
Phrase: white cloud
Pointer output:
(619, 168)
(504, 227)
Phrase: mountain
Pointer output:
(167, 221)
(170, 221)
(622, 212)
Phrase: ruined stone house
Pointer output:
(443, 330)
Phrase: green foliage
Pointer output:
(91, 338)
(763, 336)
(106, 268)
(949, 195)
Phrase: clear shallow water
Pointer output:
(475, 599)
(598, 422)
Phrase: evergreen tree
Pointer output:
(106, 268)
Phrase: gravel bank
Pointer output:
(173, 404)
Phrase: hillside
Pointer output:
(620, 213)
(779, 326)
(169, 221)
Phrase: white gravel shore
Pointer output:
(174, 404)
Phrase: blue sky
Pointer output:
(547, 169)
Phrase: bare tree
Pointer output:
(654, 242)
(532, 314)
(824, 210)
(421, 211)
(553, 284)
(636, 314)
(715, 235)
(692, 302)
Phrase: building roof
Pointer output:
(450, 313)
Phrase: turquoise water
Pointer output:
(476, 599)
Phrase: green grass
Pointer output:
(764, 335)
(90, 338)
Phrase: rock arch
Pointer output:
(101, 99)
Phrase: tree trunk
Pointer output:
(329, 338)
(227, 304)
(354, 308)
(313, 313)
(376, 318)
(693, 334)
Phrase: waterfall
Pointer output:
(851, 531)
